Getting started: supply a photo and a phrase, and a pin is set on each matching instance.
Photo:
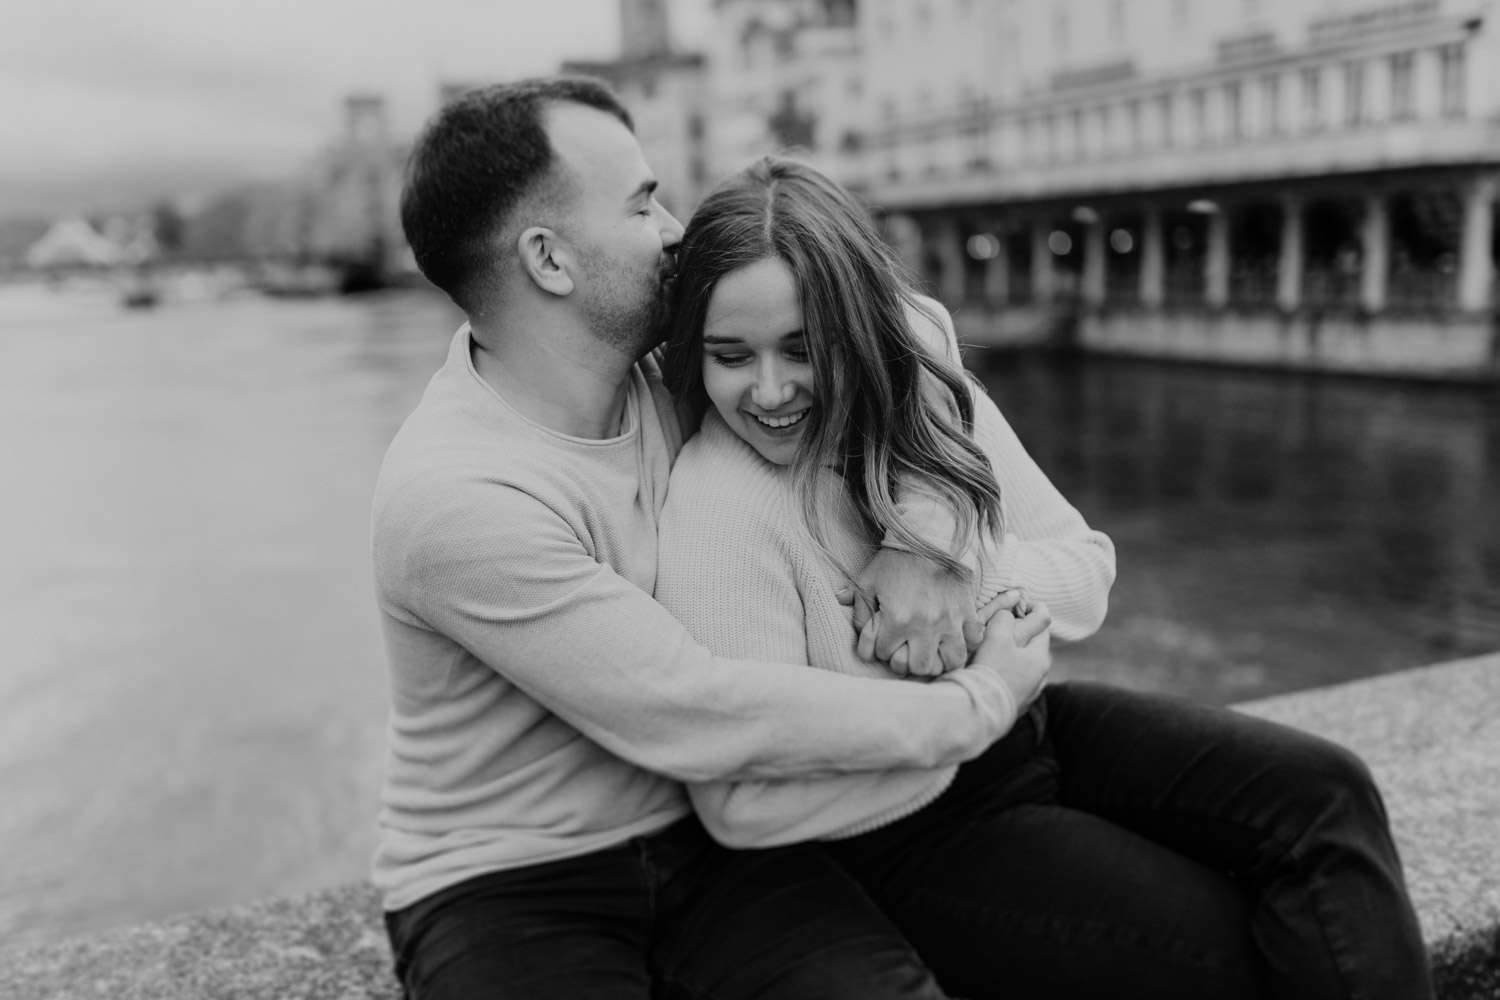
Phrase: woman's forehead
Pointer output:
(759, 299)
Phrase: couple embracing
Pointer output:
(718, 667)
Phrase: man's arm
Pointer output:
(509, 580)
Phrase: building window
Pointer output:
(1354, 94)
(1198, 105)
(1117, 19)
(1076, 127)
(1452, 76)
(1234, 113)
(1312, 99)
(1164, 114)
(1270, 102)
(1133, 119)
(1403, 95)
(1181, 12)
(1061, 30)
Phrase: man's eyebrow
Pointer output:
(647, 188)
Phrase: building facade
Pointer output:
(666, 92)
(1280, 182)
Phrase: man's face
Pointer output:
(623, 239)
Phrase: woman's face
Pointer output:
(755, 364)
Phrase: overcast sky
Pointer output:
(108, 102)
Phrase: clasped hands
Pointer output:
(919, 619)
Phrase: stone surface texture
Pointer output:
(1431, 736)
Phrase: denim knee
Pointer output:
(1334, 796)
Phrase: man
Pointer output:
(535, 840)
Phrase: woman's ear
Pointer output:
(546, 260)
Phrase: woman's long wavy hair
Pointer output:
(889, 409)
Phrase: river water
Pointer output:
(191, 683)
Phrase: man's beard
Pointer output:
(632, 323)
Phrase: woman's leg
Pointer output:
(1294, 818)
(1006, 893)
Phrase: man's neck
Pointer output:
(562, 378)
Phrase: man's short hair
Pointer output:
(474, 162)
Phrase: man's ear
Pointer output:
(546, 260)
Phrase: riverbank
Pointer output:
(1430, 735)
(1434, 345)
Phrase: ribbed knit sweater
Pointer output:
(543, 706)
(738, 569)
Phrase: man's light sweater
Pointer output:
(543, 706)
(737, 568)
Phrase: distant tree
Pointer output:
(168, 226)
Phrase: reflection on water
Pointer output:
(192, 693)
(1274, 531)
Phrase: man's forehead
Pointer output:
(597, 148)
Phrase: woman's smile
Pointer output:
(779, 424)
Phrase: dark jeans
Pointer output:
(672, 915)
(1125, 845)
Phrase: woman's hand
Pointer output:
(921, 621)
(1019, 649)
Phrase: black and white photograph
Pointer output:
(750, 500)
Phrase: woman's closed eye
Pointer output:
(729, 360)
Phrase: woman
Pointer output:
(1112, 844)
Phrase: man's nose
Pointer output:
(671, 230)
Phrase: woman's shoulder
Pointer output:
(931, 321)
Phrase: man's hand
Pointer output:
(920, 619)
(1018, 649)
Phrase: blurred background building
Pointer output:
(1303, 183)
(1263, 180)
(1284, 182)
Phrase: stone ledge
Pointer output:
(1432, 737)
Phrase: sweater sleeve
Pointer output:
(1047, 548)
(505, 576)
(755, 611)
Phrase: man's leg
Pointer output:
(1294, 818)
(1005, 893)
(778, 924)
(573, 928)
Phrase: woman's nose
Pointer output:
(772, 388)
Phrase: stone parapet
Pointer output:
(1431, 736)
